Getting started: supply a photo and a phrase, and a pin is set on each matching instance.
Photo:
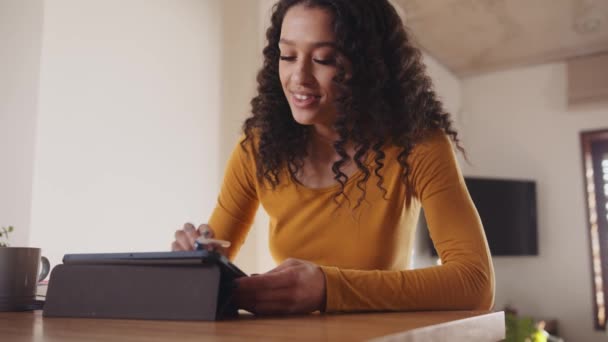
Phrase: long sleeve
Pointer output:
(237, 202)
(465, 280)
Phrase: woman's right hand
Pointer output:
(185, 238)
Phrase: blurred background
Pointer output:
(117, 118)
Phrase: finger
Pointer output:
(284, 265)
(175, 246)
(284, 295)
(192, 235)
(206, 231)
(183, 240)
(266, 281)
(272, 308)
(264, 309)
(191, 232)
(281, 299)
(188, 225)
(189, 228)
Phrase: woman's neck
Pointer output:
(321, 145)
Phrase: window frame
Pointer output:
(597, 225)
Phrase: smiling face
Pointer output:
(307, 65)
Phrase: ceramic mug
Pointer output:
(20, 273)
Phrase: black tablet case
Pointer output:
(158, 292)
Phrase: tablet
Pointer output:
(198, 257)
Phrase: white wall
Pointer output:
(517, 125)
(448, 88)
(116, 85)
(241, 58)
(264, 260)
(128, 127)
(20, 41)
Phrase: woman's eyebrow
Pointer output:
(316, 44)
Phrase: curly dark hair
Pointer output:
(388, 99)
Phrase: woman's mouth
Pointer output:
(305, 100)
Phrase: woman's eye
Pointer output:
(322, 61)
(327, 61)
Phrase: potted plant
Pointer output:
(4, 235)
(18, 267)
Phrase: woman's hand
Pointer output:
(295, 286)
(185, 238)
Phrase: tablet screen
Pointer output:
(198, 257)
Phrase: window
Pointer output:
(595, 167)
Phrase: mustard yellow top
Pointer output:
(364, 253)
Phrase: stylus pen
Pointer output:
(200, 243)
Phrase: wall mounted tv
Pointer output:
(507, 209)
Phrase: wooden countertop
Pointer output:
(395, 326)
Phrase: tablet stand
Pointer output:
(167, 292)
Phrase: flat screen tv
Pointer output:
(507, 209)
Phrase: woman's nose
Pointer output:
(302, 72)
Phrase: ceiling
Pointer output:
(476, 36)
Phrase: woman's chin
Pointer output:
(305, 119)
(313, 116)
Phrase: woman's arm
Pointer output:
(237, 202)
(465, 280)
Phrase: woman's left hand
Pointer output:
(295, 286)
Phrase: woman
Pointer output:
(346, 142)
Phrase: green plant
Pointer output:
(519, 329)
(4, 235)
